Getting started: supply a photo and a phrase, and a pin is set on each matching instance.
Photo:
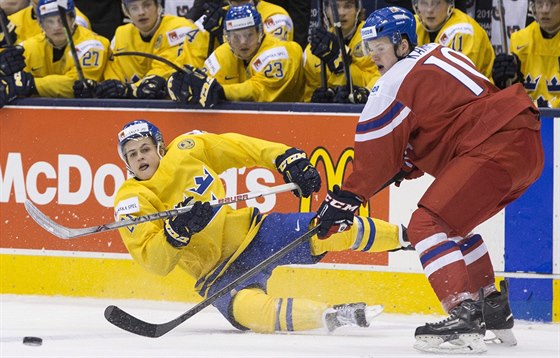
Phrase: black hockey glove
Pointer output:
(179, 229)
(11, 60)
(296, 168)
(113, 89)
(325, 46)
(214, 19)
(5, 95)
(21, 84)
(193, 86)
(150, 87)
(84, 89)
(11, 31)
(506, 68)
(336, 213)
(322, 95)
(343, 95)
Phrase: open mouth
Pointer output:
(143, 167)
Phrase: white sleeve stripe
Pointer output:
(363, 137)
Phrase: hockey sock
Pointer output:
(262, 313)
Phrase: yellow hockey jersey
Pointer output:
(194, 52)
(56, 79)
(274, 74)
(166, 42)
(362, 68)
(462, 33)
(540, 63)
(27, 24)
(190, 168)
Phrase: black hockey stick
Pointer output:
(4, 26)
(126, 321)
(345, 60)
(503, 33)
(69, 233)
(153, 57)
(134, 325)
(70, 40)
(316, 22)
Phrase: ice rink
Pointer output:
(76, 327)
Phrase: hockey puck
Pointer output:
(32, 341)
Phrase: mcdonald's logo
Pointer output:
(333, 173)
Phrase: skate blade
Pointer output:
(502, 336)
(373, 311)
(468, 343)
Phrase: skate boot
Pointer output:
(403, 240)
(350, 314)
(498, 316)
(462, 332)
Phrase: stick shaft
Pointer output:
(70, 40)
(345, 61)
(5, 28)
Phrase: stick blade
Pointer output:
(125, 321)
(51, 226)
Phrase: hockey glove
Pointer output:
(179, 229)
(214, 19)
(322, 95)
(296, 168)
(325, 46)
(113, 89)
(11, 60)
(343, 95)
(84, 89)
(11, 31)
(336, 213)
(193, 86)
(5, 95)
(21, 84)
(150, 87)
(506, 68)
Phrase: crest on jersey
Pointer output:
(186, 144)
(157, 44)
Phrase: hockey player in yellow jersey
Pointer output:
(151, 32)
(216, 245)
(440, 22)
(207, 32)
(535, 58)
(324, 47)
(50, 70)
(26, 25)
(250, 66)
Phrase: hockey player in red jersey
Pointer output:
(433, 112)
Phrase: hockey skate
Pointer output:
(498, 317)
(350, 314)
(462, 332)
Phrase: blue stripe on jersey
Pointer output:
(278, 309)
(470, 242)
(289, 316)
(382, 121)
(371, 237)
(430, 254)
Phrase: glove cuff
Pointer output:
(291, 156)
(174, 238)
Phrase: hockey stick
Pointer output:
(345, 61)
(315, 22)
(134, 325)
(68, 233)
(4, 26)
(153, 57)
(126, 321)
(503, 33)
(62, 12)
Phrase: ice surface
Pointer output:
(76, 327)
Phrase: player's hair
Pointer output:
(139, 128)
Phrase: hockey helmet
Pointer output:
(137, 129)
(392, 22)
(242, 17)
(47, 8)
